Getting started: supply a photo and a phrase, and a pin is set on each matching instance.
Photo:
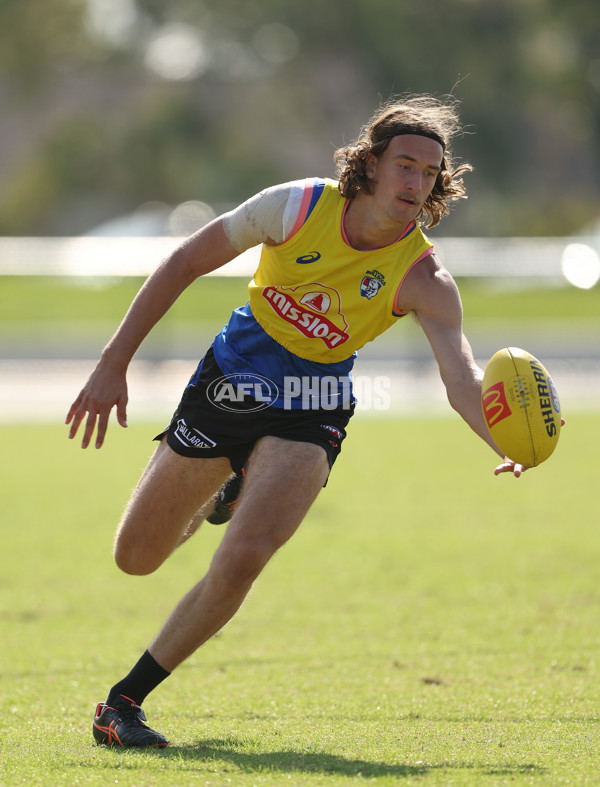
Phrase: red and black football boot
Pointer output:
(122, 724)
(227, 499)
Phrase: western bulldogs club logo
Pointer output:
(371, 283)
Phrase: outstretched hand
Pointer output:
(105, 389)
(508, 466)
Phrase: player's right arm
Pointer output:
(205, 251)
(265, 218)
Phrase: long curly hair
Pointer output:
(423, 115)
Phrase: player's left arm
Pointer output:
(431, 294)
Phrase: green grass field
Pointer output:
(56, 318)
(428, 625)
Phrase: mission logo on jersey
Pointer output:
(313, 309)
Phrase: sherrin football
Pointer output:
(521, 406)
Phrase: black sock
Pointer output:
(143, 678)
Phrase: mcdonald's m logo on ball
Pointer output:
(495, 406)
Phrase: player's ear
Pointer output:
(371, 166)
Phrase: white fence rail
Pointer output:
(543, 260)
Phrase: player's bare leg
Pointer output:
(164, 504)
(283, 480)
(167, 506)
(221, 506)
(198, 518)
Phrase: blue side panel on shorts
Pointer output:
(196, 376)
(243, 347)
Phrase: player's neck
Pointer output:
(364, 231)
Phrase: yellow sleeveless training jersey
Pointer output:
(320, 298)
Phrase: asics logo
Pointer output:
(312, 256)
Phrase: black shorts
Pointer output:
(202, 428)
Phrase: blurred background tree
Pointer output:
(108, 105)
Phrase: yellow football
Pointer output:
(521, 406)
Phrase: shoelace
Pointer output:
(131, 712)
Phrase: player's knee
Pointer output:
(134, 561)
(243, 561)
